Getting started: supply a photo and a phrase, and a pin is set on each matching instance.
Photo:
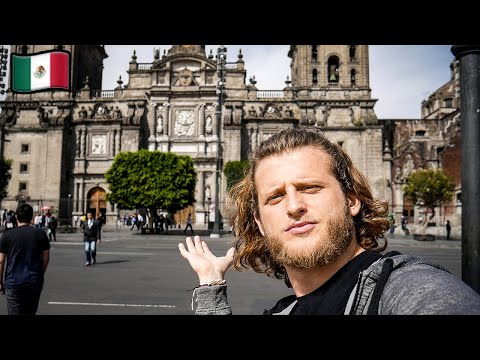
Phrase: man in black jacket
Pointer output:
(25, 250)
(91, 234)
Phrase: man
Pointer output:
(304, 213)
(52, 228)
(91, 230)
(189, 224)
(26, 250)
(449, 228)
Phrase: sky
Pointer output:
(401, 76)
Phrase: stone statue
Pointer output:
(208, 125)
(408, 166)
(160, 125)
(185, 77)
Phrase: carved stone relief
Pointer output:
(184, 123)
(99, 144)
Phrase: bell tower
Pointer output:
(332, 90)
(328, 68)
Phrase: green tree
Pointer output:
(429, 188)
(235, 171)
(151, 180)
(5, 176)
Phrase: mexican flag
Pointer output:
(42, 71)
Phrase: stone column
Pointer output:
(78, 143)
(77, 196)
(152, 126)
(168, 116)
(82, 196)
(201, 120)
(117, 141)
(112, 142)
(201, 191)
(83, 144)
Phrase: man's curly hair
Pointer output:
(251, 250)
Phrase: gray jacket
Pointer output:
(393, 285)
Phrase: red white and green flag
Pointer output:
(41, 71)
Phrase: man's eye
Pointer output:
(310, 188)
(274, 198)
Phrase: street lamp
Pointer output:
(221, 61)
(68, 214)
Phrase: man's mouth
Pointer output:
(300, 227)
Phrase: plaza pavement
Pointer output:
(140, 274)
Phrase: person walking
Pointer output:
(52, 228)
(26, 251)
(134, 221)
(305, 214)
(140, 221)
(189, 224)
(83, 218)
(91, 234)
(10, 220)
(449, 228)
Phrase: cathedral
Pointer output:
(193, 103)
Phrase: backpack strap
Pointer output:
(382, 281)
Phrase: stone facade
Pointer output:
(431, 142)
(171, 104)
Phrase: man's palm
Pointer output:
(203, 262)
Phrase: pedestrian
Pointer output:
(10, 220)
(91, 230)
(189, 224)
(140, 221)
(38, 221)
(26, 251)
(83, 219)
(100, 222)
(134, 220)
(449, 228)
(391, 221)
(305, 214)
(168, 223)
(52, 228)
(161, 222)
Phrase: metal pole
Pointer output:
(221, 56)
(469, 57)
(68, 214)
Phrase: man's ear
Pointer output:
(354, 204)
(259, 223)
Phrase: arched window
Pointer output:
(315, 76)
(353, 76)
(333, 69)
(352, 52)
(314, 52)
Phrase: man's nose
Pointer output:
(295, 203)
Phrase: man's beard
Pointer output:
(319, 251)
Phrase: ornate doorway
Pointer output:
(97, 203)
